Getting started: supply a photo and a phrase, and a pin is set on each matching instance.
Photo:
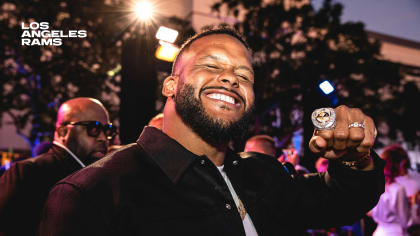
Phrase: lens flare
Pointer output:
(143, 10)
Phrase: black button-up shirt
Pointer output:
(24, 189)
(157, 187)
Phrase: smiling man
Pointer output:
(81, 137)
(184, 180)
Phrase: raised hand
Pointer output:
(350, 138)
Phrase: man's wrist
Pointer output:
(363, 163)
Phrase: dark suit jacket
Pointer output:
(157, 187)
(25, 186)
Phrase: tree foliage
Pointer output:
(35, 80)
(296, 46)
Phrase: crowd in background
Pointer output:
(397, 212)
(71, 189)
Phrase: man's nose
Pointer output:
(102, 137)
(228, 77)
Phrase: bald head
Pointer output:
(74, 135)
(78, 109)
(262, 144)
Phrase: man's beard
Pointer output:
(82, 152)
(214, 131)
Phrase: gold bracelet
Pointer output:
(358, 162)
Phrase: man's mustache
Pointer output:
(223, 88)
(102, 147)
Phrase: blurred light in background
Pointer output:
(166, 51)
(326, 87)
(7, 165)
(143, 10)
(114, 71)
(166, 34)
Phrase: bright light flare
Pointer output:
(143, 10)
(326, 87)
(166, 51)
(167, 34)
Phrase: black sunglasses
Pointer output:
(94, 128)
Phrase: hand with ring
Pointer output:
(344, 133)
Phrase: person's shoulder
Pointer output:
(396, 187)
(44, 159)
(121, 158)
(406, 179)
(255, 156)
(259, 160)
(116, 164)
(28, 171)
(28, 165)
(411, 180)
(411, 185)
(265, 168)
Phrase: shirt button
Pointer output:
(202, 162)
(228, 206)
(235, 163)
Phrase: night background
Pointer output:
(296, 44)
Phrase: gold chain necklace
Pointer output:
(241, 209)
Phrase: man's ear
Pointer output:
(62, 131)
(169, 86)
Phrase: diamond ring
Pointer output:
(323, 118)
(356, 125)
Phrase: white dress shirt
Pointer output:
(247, 222)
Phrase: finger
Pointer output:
(356, 134)
(333, 154)
(341, 131)
(317, 144)
(327, 135)
(370, 135)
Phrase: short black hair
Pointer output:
(206, 32)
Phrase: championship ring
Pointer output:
(323, 118)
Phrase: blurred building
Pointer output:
(407, 54)
(402, 51)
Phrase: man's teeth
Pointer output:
(222, 97)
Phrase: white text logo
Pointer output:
(38, 34)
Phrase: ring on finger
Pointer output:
(357, 125)
(323, 118)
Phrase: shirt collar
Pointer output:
(169, 155)
(70, 152)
